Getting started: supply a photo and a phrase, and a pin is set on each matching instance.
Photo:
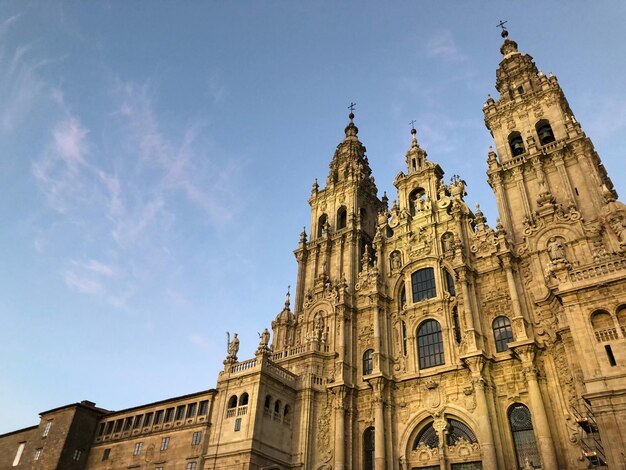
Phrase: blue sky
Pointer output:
(156, 159)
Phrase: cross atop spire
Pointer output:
(352, 106)
(504, 32)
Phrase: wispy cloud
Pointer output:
(443, 45)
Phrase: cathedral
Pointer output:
(418, 336)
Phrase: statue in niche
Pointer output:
(556, 250)
(396, 261)
(447, 242)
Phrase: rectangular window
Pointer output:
(101, 429)
(46, 430)
(109, 428)
(423, 284)
(158, 417)
(18, 454)
(38, 453)
(169, 415)
(204, 407)
(128, 424)
(138, 420)
(148, 420)
(138, 447)
(118, 425)
(195, 439)
(609, 353)
(165, 443)
(237, 424)
(180, 412)
(192, 466)
(105, 454)
(77, 454)
(191, 410)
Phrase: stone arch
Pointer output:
(540, 239)
(417, 422)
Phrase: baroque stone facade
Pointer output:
(421, 337)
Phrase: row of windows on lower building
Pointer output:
(78, 453)
(190, 466)
(430, 343)
(196, 439)
(158, 417)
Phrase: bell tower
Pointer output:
(544, 164)
(343, 220)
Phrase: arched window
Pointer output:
(459, 430)
(342, 218)
(368, 362)
(516, 143)
(544, 132)
(603, 326)
(423, 283)
(321, 222)
(428, 437)
(402, 297)
(430, 344)
(502, 333)
(621, 318)
(287, 411)
(450, 283)
(277, 407)
(268, 402)
(243, 400)
(403, 337)
(232, 402)
(523, 435)
(368, 449)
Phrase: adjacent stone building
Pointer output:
(420, 337)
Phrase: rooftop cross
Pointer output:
(351, 107)
(504, 32)
(412, 124)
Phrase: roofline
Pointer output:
(77, 405)
(30, 428)
(211, 391)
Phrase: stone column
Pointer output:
(485, 432)
(340, 428)
(503, 203)
(526, 354)
(518, 319)
(468, 313)
(377, 336)
(379, 424)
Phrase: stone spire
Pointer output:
(416, 156)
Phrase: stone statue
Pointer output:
(396, 261)
(233, 346)
(265, 338)
(555, 248)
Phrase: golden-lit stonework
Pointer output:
(420, 337)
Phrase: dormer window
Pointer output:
(544, 131)
(516, 143)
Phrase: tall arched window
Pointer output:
(243, 401)
(456, 325)
(368, 449)
(268, 402)
(232, 402)
(502, 333)
(321, 222)
(423, 284)
(523, 436)
(516, 143)
(430, 344)
(450, 283)
(368, 362)
(342, 218)
(459, 430)
(402, 297)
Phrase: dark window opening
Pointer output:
(430, 344)
(368, 362)
(402, 297)
(232, 402)
(517, 144)
(268, 401)
(450, 284)
(342, 218)
(576, 191)
(609, 353)
(368, 449)
(427, 436)
(520, 90)
(544, 132)
(321, 223)
(403, 337)
(458, 430)
(243, 401)
(456, 325)
(180, 412)
(502, 333)
(238, 424)
(423, 283)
